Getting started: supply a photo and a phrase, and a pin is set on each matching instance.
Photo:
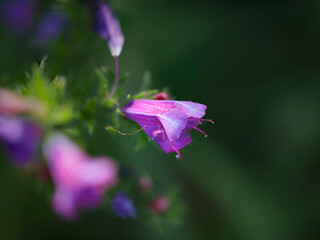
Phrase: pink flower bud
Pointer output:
(145, 183)
(162, 96)
(159, 205)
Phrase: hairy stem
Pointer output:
(116, 78)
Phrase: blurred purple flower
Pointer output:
(18, 14)
(80, 181)
(50, 27)
(167, 122)
(123, 206)
(20, 139)
(107, 26)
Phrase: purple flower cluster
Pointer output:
(81, 181)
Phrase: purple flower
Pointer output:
(50, 27)
(107, 26)
(80, 181)
(18, 14)
(20, 139)
(123, 206)
(167, 122)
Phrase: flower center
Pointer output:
(158, 135)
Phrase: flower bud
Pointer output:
(123, 206)
(145, 183)
(161, 96)
(107, 26)
(159, 205)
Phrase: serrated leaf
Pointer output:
(146, 94)
(59, 84)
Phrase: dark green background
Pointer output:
(255, 64)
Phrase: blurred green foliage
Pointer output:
(254, 63)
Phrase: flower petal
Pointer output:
(99, 172)
(195, 110)
(173, 123)
(63, 203)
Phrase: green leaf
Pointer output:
(109, 103)
(90, 107)
(146, 94)
(58, 85)
(62, 114)
(103, 82)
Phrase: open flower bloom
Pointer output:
(80, 181)
(167, 122)
(20, 139)
(107, 26)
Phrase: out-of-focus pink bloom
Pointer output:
(20, 139)
(168, 123)
(145, 183)
(159, 205)
(18, 14)
(161, 96)
(107, 26)
(80, 181)
(11, 103)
